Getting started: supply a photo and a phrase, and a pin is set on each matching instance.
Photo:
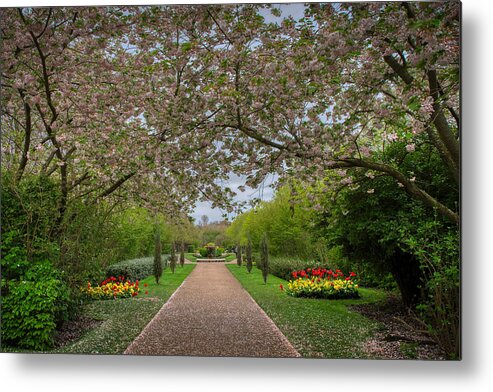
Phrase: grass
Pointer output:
(190, 257)
(230, 257)
(317, 328)
(123, 319)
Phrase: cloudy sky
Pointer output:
(264, 192)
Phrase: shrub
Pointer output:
(135, 269)
(191, 249)
(322, 283)
(203, 252)
(33, 306)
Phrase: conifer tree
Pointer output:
(172, 258)
(238, 255)
(158, 265)
(182, 254)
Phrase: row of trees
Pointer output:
(100, 96)
(97, 113)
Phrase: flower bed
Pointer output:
(322, 283)
(112, 288)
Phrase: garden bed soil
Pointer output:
(401, 335)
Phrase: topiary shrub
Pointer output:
(33, 307)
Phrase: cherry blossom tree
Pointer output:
(161, 104)
(335, 90)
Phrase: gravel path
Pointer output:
(212, 315)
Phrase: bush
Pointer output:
(203, 252)
(33, 307)
(135, 269)
(282, 267)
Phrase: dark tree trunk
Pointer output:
(408, 276)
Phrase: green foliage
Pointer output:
(438, 251)
(385, 231)
(203, 252)
(33, 307)
(158, 264)
(287, 224)
(29, 213)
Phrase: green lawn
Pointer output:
(316, 327)
(230, 257)
(191, 257)
(123, 319)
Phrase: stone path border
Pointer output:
(211, 314)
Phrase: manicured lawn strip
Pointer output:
(316, 327)
(230, 257)
(124, 319)
(190, 257)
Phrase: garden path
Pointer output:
(211, 314)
